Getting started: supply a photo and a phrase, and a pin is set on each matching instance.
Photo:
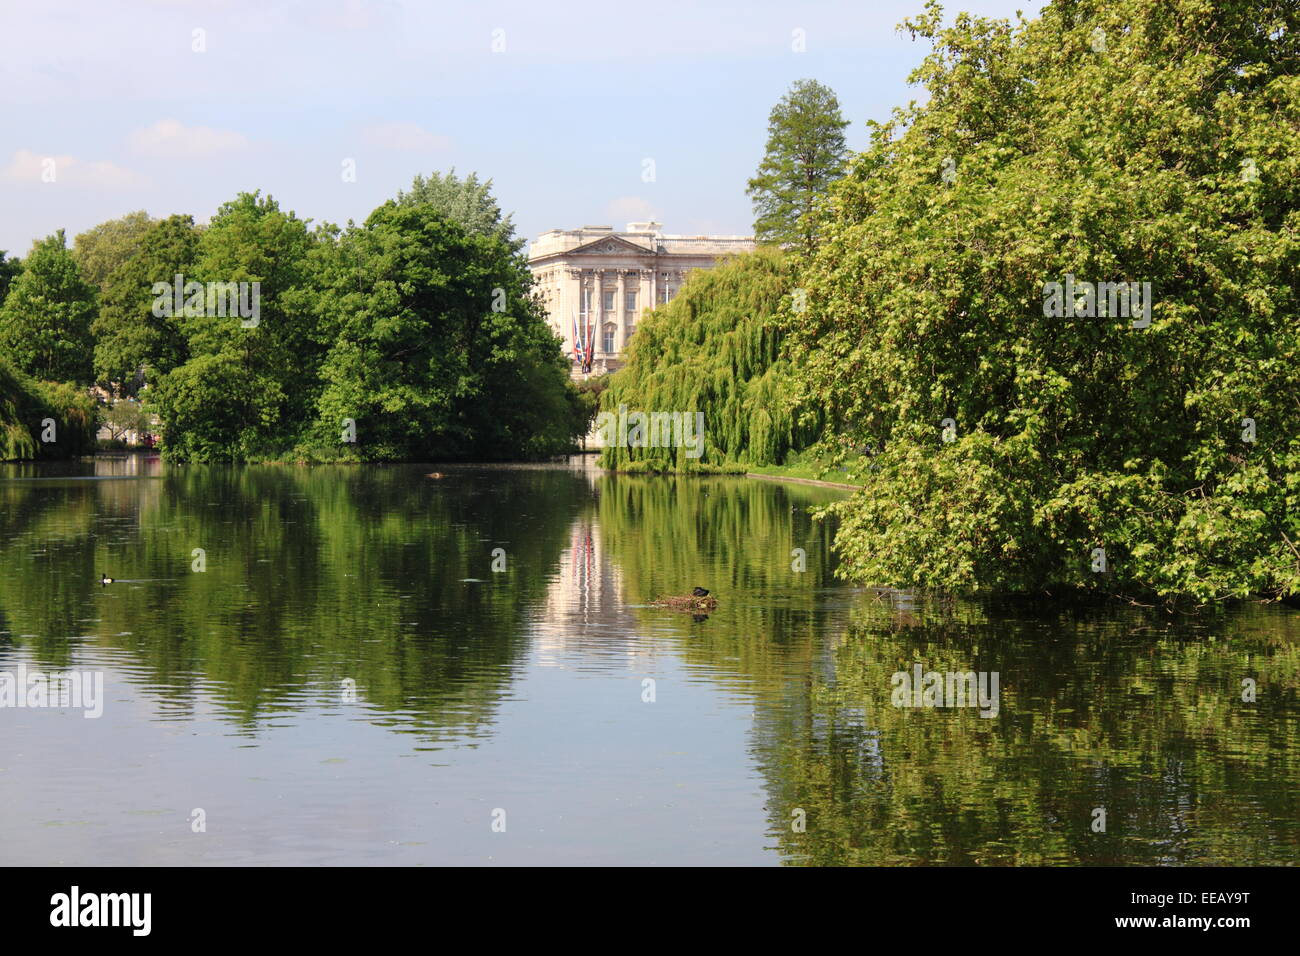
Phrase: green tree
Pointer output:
(215, 408)
(131, 342)
(805, 154)
(251, 240)
(9, 270)
(28, 408)
(466, 201)
(126, 416)
(440, 351)
(105, 247)
(589, 392)
(45, 319)
(266, 361)
(1015, 442)
(716, 349)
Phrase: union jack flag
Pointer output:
(584, 342)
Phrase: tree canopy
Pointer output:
(439, 351)
(408, 337)
(260, 336)
(466, 201)
(130, 341)
(9, 269)
(805, 153)
(102, 249)
(1020, 442)
(272, 354)
(45, 319)
(715, 349)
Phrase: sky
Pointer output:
(580, 112)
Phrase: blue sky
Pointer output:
(562, 119)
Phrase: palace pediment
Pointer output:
(608, 246)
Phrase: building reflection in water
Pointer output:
(585, 623)
(128, 465)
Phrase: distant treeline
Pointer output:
(257, 336)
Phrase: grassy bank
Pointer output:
(805, 467)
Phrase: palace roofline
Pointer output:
(646, 237)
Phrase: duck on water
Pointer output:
(698, 600)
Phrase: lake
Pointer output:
(363, 665)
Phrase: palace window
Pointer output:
(629, 301)
(608, 300)
(663, 295)
(608, 342)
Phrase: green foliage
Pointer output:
(9, 269)
(101, 250)
(18, 407)
(418, 330)
(126, 416)
(438, 351)
(250, 382)
(25, 407)
(716, 349)
(216, 408)
(45, 319)
(130, 341)
(589, 392)
(420, 326)
(76, 418)
(805, 154)
(466, 201)
(1120, 155)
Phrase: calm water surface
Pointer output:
(608, 732)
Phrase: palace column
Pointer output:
(597, 320)
(620, 312)
(570, 303)
(645, 294)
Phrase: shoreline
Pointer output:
(804, 481)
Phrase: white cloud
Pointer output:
(29, 167)
(103, 174)
(170, 139)
(404, 136)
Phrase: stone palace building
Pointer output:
(596, 282)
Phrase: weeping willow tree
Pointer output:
(16, 399)
(715, 350)
(25, 405)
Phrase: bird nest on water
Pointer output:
(686, 602)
